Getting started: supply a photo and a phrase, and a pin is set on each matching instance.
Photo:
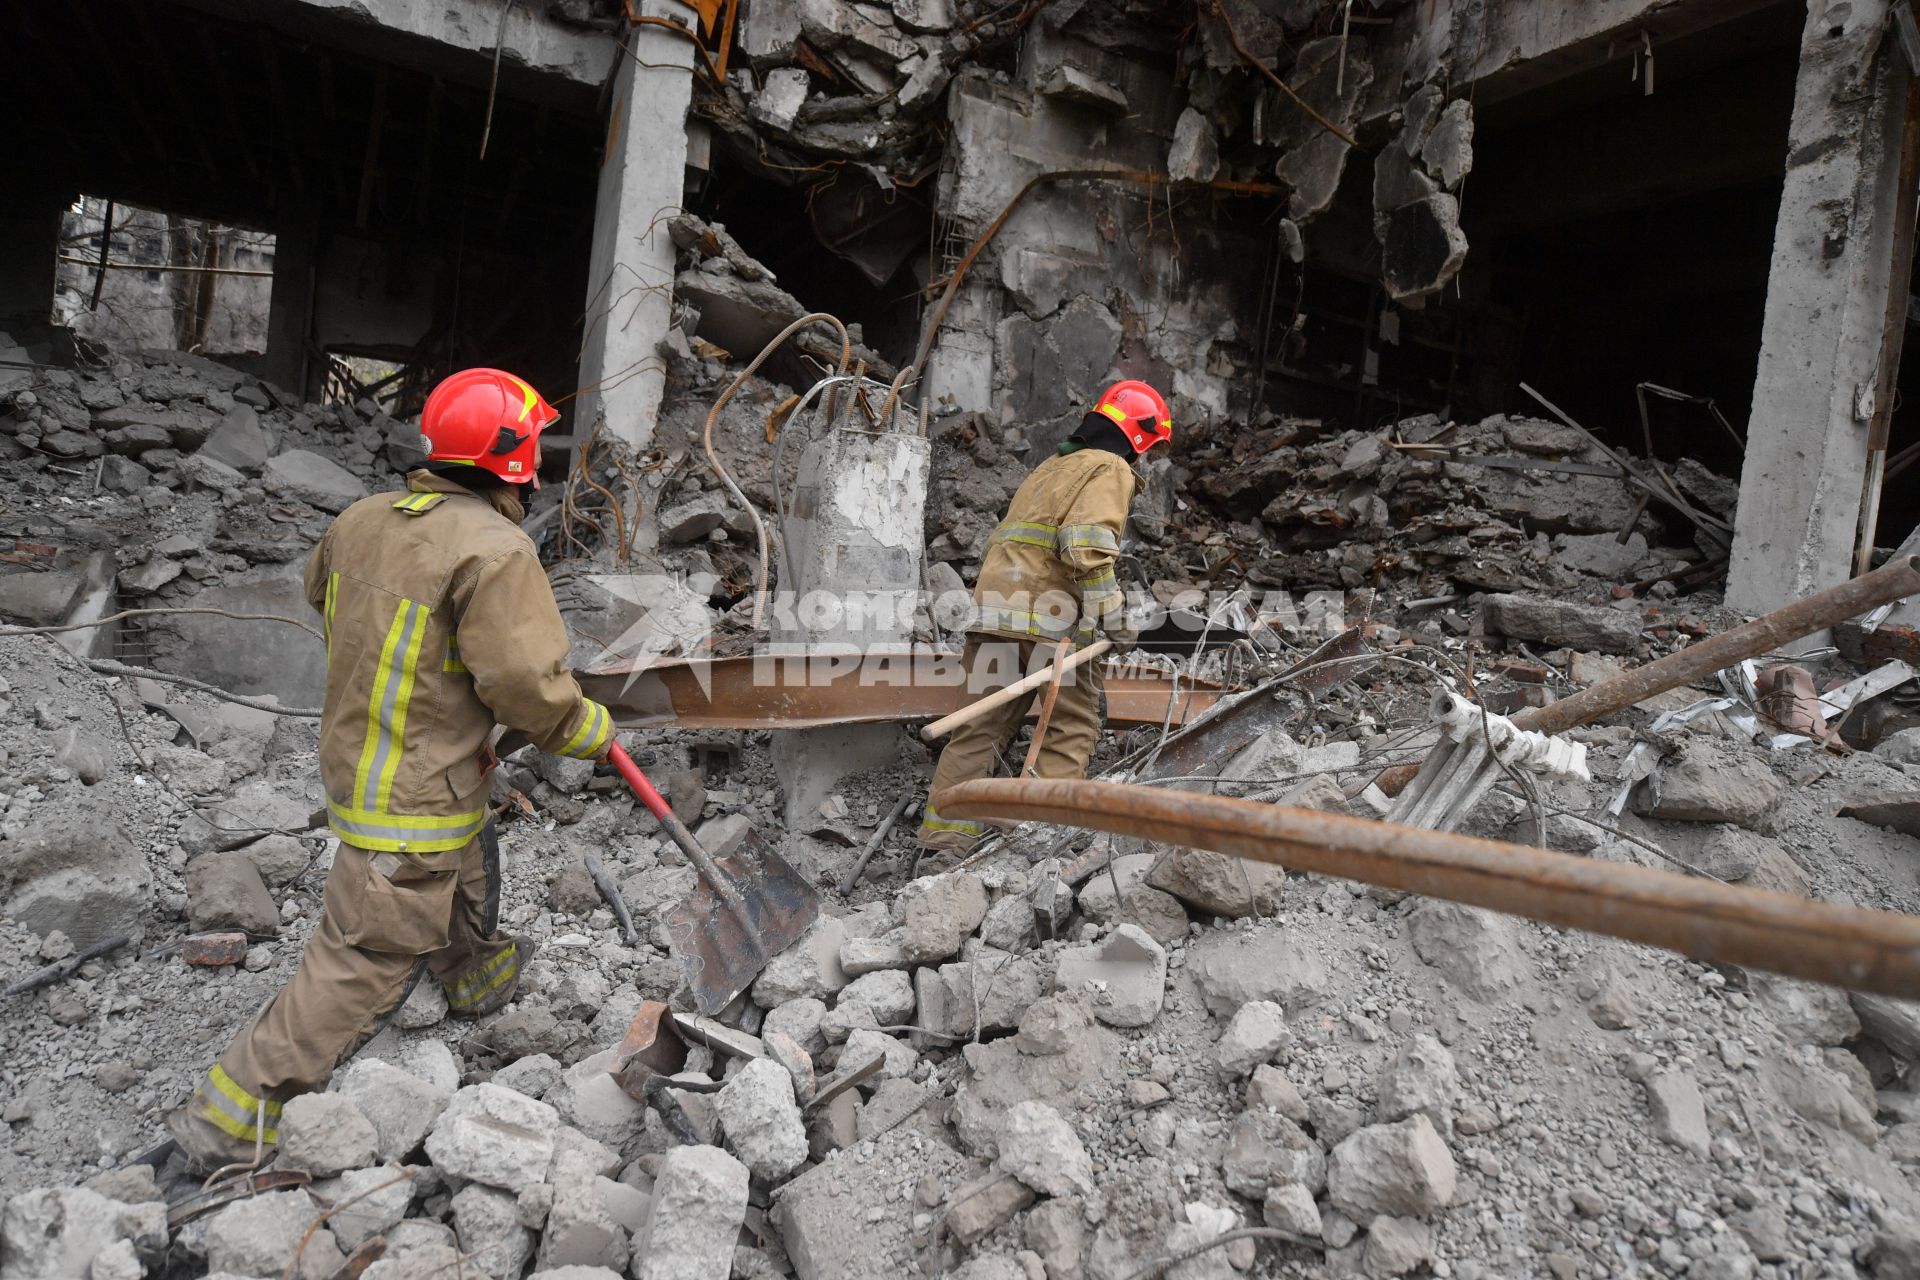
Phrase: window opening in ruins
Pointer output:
(135, 278)
(372, 383)
(841, 243)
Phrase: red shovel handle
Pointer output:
(655, 802)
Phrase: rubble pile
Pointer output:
(984, 1070)
(1433, 505)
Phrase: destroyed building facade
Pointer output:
(1349, 212)
(1513, 344)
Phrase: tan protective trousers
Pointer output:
(993, 663)
(386, 918)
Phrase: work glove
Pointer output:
(1125, 638)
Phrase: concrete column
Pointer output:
(287, 362)
(1813, 397)
(29, 238)
(630, 280)
(854, 540)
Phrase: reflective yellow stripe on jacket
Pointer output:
(333, 589)
(591, 737)
(387, 708)
(1030, 532)
(403, 833)
(1002, 618)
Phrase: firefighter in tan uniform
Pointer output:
(1048, 573)
(439, 624)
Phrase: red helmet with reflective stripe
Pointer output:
(487, 418)
(1139, 411)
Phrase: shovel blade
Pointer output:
(721, 959)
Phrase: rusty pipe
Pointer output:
(1705, 919)
(1898, 578)
(1894, 580)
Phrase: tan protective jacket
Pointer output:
(439, 623)
(1049, 566)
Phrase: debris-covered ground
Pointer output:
(1385, 1085)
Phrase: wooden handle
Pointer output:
(1046, 711)
(967, 715)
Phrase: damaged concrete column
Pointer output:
(853, 548)
(1800, 488)
(286, 363)
(630, 277)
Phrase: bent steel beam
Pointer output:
(1709, 921)
(799, 692)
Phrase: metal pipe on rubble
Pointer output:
(1895, 580)
(1898, 578)
(1705, 919)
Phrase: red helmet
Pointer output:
(488, 419)
(1138, 410)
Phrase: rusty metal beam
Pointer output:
(1705, 919)
(799, 693)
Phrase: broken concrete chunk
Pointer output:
(1040, 1148)
(1560, 623)
(1195, 153)
(1265, 1149)
(1126, 972)
(1254, 1035)
(699, 1202)
(940, 916)
(1396, 1246)
(317, 481)
(401, 1107)
(260, 1236)
(580, 1233)
(1895, 1023)
(693, 520)
(1421, 1080)
(1290, 1207)
(978, 1208)
(1448, 151)
(776, 105)
(799, 1020)
(225, 891)
(810, 967)
(1402, 1169)
(869, 955)
(885, 997)
(1218, 884)
(1679, 1112)
(238, 442)
(1711, 784)
(1154, 910)
(45, 1232)
(488, 1224)
(494, 1136)
(1233, 967)
(379, 1196)
(1477, 950)
(1272, 1087)
(324, 1134)
(762, 1120)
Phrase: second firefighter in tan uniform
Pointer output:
(439, 623)
(1048, 574)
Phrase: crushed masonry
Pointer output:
(1337, 236)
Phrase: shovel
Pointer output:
(749, 906)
